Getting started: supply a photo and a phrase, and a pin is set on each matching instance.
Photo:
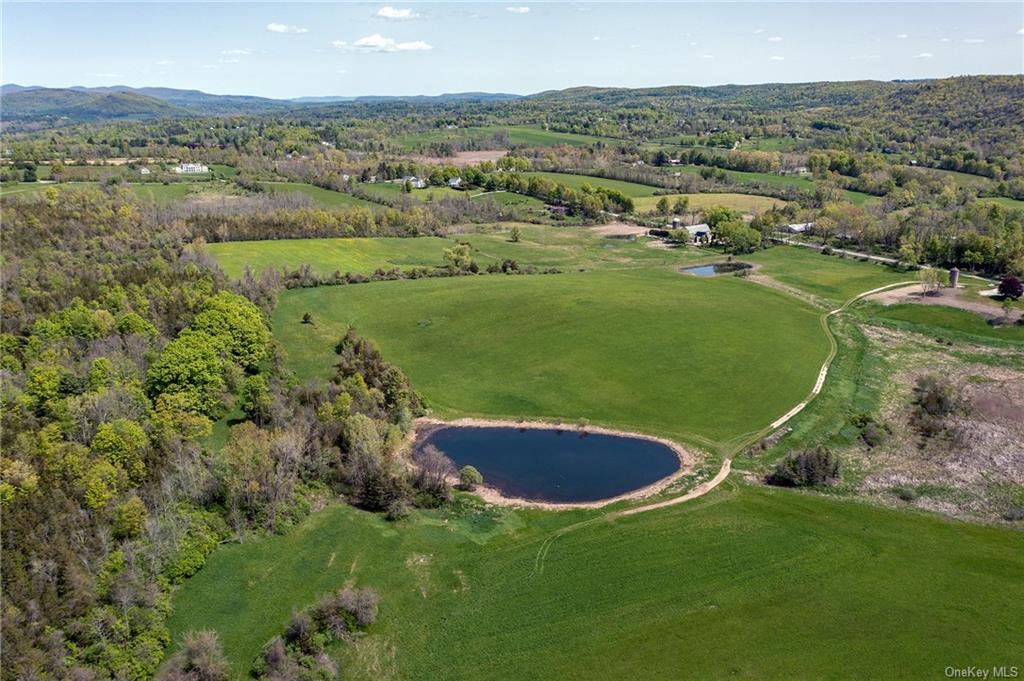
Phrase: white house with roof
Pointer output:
(191, 169)
(415, 182)
(144, 171)
(797, 227)
(455, 182)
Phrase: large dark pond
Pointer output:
(555, 465)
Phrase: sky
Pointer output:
(281, 49)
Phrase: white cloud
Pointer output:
(106, 75)
(230, 61)
(518, 10)
(597, 37)
(707, 56)
(389, 12)
(693, 44)
(974, 41)
(902, 36)
(758, 31)
(378, 43)
(339, 43)
(1020, 32)
(239, 52)
(777, 58)
(164, 62)
(285, 28)
(210, 66)
(775, 39)
(924, 55)
(943, 40)
(342, 71)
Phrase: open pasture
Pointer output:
(566, 247)
(630, 189)
(641, 349)
(327, 198)
(831, 278)
(812, 583)
(744, 203)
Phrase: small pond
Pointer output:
(554, 465)
(716, 268)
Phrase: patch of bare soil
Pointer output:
(462, 158)
(943, 296)
(619, 229)
(973, 468)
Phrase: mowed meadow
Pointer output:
(643, 349)
(746, 583)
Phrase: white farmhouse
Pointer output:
(143, 171)
(191, 169)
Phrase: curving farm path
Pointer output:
(705, 487)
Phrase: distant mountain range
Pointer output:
(79, 104)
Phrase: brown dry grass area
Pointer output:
(463, 158)
(975, 469)
(619, 229)
(943, 296)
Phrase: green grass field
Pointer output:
(518, 135)
(567, 247)
(1005, 202)
(576, 346)
(829, 277)
(325, 197)
(745, 203)
(630, 189)
(746, 583)
(356, 255)
(149, 191)
(929, 318)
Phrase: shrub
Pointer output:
(470, 477)
(935, 399)
(808, 468)
(201, 659)
(1011, 287)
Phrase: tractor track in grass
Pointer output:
(723, 473)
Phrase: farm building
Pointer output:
(415, 182)
(191, 168)
(699, 233)
(455, 182)
(144, 171)
(797, 227)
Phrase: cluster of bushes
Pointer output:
(872, 433)
(305, 277)
(300, 655)
(807, 468)
(935, 399)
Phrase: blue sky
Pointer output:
(278, 49)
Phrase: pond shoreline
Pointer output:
(426, 425)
